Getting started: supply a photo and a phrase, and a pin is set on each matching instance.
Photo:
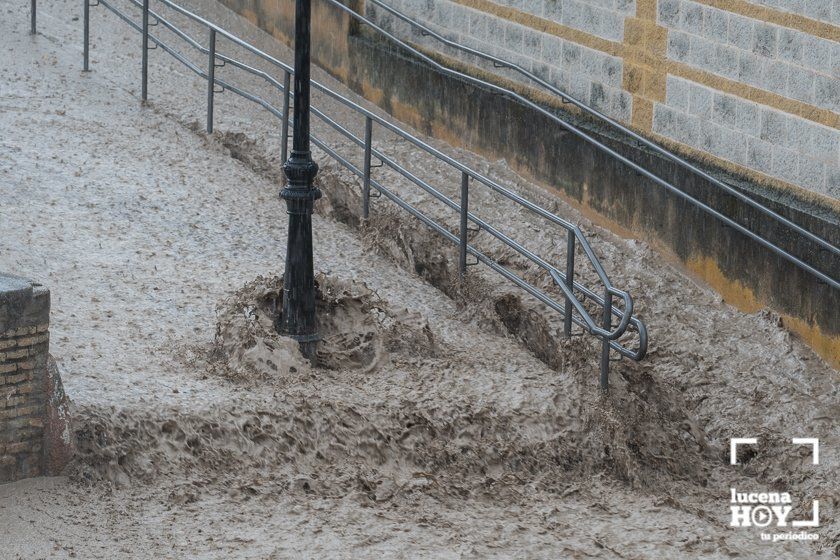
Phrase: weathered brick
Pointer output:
(765, 39)
(774, 127)
(724, 109)
(611, 71)
(801, 83)
(663, 119)
(552, 49)
(818, 9)
(750, 68)
(715, 24)
(553, 10)
(20, 431)
(22, 331)
(574, 15)
(478, 24)
(827, 93)
(775, 77)
(748, 118)
(598, 96)
(16, 378)
(669, 13)
(626, 6)
(811, 174)
(679, 45)
(571, 53)
(740, 31)
(688, 128)
(13, 354)
(579, 87)
(621, 105)
(513, 37)
(7, 368)
(701, 52)
(790, 45)
(816, 53)
(609, 25)
(6, 413)
(32, 340)
(533, 43)
(691, 17)
(760, 155)
(24, 388)
(835, 60)
(785, 164)
(823, 143)
(560, 79)
(26, 365)
(14, 401)
(592, 62)
(677, 93)
(726, 60)
(542, 70)
(700, 101)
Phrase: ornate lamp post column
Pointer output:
(298, 321)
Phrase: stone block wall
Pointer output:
(793, 135)
(764, 75)
(34, 435)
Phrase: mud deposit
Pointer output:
(357, 330)
(440, 418)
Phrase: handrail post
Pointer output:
(284, 148)
(211, 79)
(86, 48)
(605, 347)
(145, 72)
(570, 282)
(465, 201)
(366, 185)
(32, 15)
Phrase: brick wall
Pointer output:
(750, 86)
(33, 414)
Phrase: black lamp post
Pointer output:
(298, 321)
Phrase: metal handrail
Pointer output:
(571, 128)
(603, 330)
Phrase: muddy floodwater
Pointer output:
(439, 419)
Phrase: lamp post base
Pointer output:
(298, 320)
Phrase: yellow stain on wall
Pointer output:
(733, 291)
(250, 15)
(828, 347)
(373, 94)
(741, 297)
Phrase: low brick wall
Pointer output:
(34, 439)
